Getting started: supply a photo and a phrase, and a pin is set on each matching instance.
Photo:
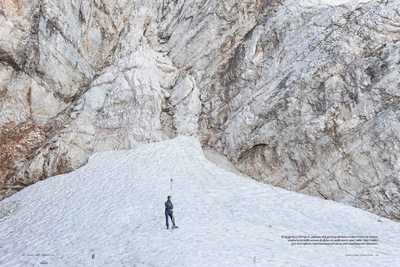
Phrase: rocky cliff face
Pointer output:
(300, 96)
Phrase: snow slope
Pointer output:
(111, 213)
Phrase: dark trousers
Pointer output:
(171, 215)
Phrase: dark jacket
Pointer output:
(168, 205)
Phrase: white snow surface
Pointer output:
(111, 213)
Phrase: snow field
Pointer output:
(111, 213)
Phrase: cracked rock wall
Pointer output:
(304, 97)
(312, 104)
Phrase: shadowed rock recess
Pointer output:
(304, 97)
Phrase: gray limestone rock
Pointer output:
(296, 94)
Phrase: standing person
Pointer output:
(169, 211)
